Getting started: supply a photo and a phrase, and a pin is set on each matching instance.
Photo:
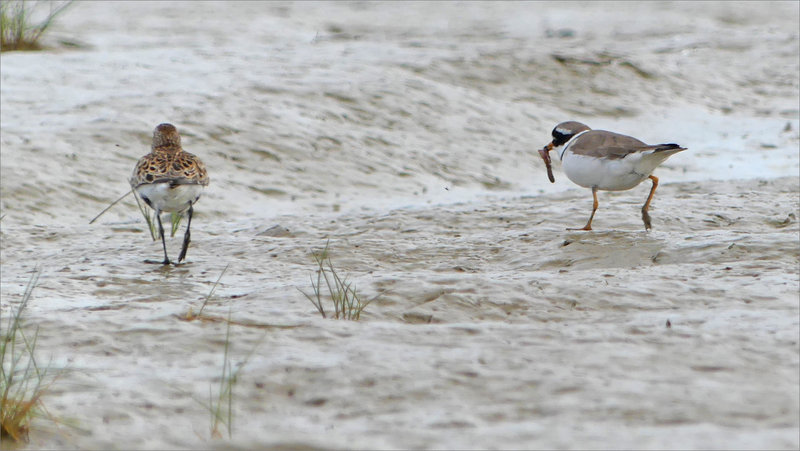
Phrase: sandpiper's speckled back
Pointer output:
(168, 162)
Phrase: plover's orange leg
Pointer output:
(588, 225)
(646, 206)
(186, 236)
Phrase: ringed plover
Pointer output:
(603, 160)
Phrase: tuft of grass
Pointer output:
(18, 29)
(347, 303)
(23, 381)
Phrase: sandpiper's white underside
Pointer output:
(164, 197)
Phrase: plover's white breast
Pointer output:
(602, 173)
(170, 198)
(610, 173)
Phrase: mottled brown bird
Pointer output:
(170, 180)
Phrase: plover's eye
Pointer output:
(560, 138)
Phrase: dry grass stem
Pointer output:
(191, 315)
(220, 405)
(109, 207)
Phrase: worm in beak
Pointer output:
(545, 153)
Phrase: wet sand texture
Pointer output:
(407, 137)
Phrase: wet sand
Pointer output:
(406, 137)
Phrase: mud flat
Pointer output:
(406, 138)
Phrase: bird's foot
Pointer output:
(182, 256)
(587, 227)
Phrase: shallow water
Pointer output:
(407, 137)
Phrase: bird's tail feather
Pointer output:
(665, 147)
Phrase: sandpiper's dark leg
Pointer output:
(588, 225)
(646, 206)
(163, 240)
(186, 236)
